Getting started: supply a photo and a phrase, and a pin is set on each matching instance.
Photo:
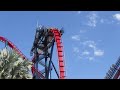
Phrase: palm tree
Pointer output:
(12, 66)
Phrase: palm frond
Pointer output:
(12, 66)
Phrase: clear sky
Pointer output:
(91, 38)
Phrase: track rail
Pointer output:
(117, 74)
(57, 36)
(114, 71)
(11, 45)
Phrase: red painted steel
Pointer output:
(117, 74)
(11, 45)
(57, 37)
(38, 72)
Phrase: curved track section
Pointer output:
(56, 37)
(11, 45)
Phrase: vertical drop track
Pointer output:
(57, 39)
(46, 72)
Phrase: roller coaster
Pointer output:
(114, 71)
(42, 53)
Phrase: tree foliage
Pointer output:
(12, 66)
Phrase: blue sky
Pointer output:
(91, 38)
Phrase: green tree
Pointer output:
(12, 66)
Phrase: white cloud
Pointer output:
(90, 58)
(98, 52)
(76, 37)
(117, 16)
(92, 19)
(76, 49)
(79, 12)
(89, 43)
(93, 45)
(85, 52)
(82, 31)
(106, 21)
(88, 49)
(102, 20)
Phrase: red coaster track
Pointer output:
(57, 36)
